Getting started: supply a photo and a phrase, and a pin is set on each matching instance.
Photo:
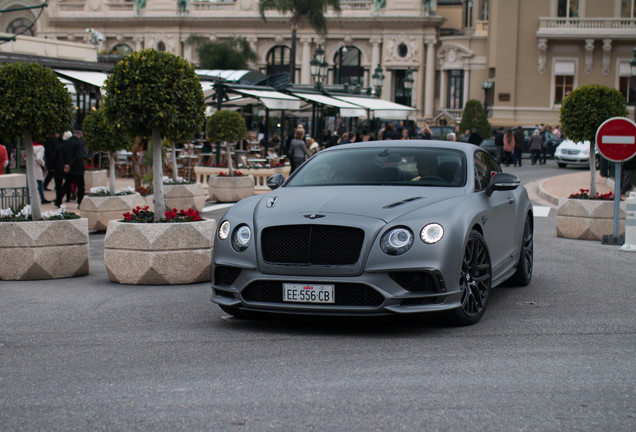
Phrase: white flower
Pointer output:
(6, 213)
(26, 211)
(100, 190)
(125, 190)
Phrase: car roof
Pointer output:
(457, 145)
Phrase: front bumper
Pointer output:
(369, 294)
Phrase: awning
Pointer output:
(381, 108)
(270, 98)
(244, 76)
(346, 109)
(93, 78)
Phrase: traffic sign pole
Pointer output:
(616, 141)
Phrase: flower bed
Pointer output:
(55, 247)
(99, 209)
(588, 218)
(164, 253)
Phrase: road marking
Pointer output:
(618, 139)
(216, 207)
(541, 211)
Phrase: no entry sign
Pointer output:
(616, 139)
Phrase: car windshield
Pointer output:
(401, 166)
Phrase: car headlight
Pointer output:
(241, 238)
(224, 230)
(396, 241)
(432, 233)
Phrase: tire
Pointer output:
(475, 282)
(523, 275)
(561, 164)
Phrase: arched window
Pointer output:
(347, 67)
(121, 50)
(161, 46)
(19, 25)
(278, 59)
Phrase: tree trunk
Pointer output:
(592, 168)
(292, 54)
(30, 176)
(230, 168)
(173, 153)
(111, 171)
(157, 176)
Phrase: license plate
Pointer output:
(308, 293)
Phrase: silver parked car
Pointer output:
(377, 228)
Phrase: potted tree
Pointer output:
(228, 127)
(102, 204)
(35, 104)
(157, 94)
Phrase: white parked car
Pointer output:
(574, 153)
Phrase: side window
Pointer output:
(485, 168)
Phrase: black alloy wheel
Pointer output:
(475, 281)
(523, 275)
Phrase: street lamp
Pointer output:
(486, 85)
(407, 82)
(318, 67)
(633, 67)
(377, 79)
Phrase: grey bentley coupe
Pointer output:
(377, 228)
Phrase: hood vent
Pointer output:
(399, 203)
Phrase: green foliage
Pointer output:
(33, 102)
(155, 90)
(234, 53)
(583, 110)
(101, 135)
(474, 116)
(311, 10)
(228, 126)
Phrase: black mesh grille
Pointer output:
(413, 281)
(346, 294)
(312, 244)
(225, 275)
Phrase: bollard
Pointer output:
(630, 224)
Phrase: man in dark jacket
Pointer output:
(499, 143)
(74, 158)
(50, 147)
(475, 138)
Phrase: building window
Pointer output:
(627, 8)
(278, 59)
(161, 46)
(400, 95)
(347, 68)
(568, 8)
(485, 10)
(455, 89)
(20, 26)
(468, 13)
(627, 83)
(563, 85)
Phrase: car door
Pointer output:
(498, 218)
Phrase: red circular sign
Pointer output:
(616, 139)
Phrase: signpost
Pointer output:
(616, 141)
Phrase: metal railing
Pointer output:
(14, 198)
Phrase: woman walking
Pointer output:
(297, 149)
(508, 146)
(535, 146)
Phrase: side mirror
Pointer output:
(275, 181)
(502, 182)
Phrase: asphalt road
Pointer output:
(85, 354)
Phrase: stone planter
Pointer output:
(44, 249)
(587, 219)
(99, 210)
(230, 189)
(95, 178)
(184, 196)
(149, 200)
(159, 253)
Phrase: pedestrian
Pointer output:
(536, 145)
(451, 136)
(389, 132)
(475, 137)
(58, 170)
(50, 147)
(74, 167)
(36, 167)
(465, 136)
(312, 147)
(508, 146)
(4, 158)
(298, 150)
(499, 144)
(9, 147)
(520, 144)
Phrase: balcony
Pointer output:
(586, 28)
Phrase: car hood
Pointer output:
(379, 202)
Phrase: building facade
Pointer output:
(532, 53)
